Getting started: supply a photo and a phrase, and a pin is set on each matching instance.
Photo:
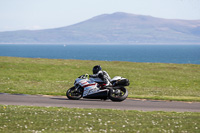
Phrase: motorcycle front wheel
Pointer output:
(119, 94)
(73, 94)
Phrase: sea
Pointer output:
(179, 54)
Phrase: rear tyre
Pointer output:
(118, 95)
(73, 94)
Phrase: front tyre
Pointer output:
(119, 94)
(73, 94)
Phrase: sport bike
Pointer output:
(95, 88)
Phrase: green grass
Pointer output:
(57, 119)
(54, 76)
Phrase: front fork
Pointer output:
(78, 89)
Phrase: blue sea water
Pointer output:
(181, 54)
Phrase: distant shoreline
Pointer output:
(101, 43)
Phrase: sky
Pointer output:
(45, 14)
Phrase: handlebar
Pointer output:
(84, 76)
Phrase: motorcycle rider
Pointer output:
(103, 75)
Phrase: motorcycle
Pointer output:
(95, 88)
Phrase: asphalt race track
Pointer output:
(128, 104)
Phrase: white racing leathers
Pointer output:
(101, 76)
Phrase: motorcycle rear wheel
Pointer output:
(118, 95)
(73, 94)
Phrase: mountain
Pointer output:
(116, 28)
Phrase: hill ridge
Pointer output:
(115, 28)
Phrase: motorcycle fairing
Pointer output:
(94, 92)
(116, 78)
(90, 88)
(100, 94)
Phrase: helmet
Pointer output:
(96, 69)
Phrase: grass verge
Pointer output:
(159, 81)
(58, 119)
